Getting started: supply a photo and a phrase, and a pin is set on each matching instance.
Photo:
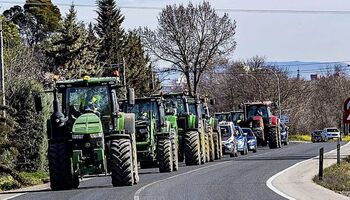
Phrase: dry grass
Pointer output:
(336, 177)
(300, 137)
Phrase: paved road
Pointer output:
(240, 178)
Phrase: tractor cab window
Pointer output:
(83, 99)
(237, 117)
(257, 110)
(180, 107)
(192, 108)
(143, 110)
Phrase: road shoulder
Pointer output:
(296, 182)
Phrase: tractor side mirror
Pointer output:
(131, 96)
(212, 102)
(38, 103)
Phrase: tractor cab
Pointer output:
(223, 116)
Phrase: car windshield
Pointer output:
(225, 131)
(248, 131)
(238, 130)
(89, 98)
(332, 130)
(142, 109)
(257, 110)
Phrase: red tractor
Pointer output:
(258, 117)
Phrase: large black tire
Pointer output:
(273, 137)
(121, 163)
(207, 147)
(60, 166)
(192, 148)
(165, 155)
(175, 155)
(216, 146)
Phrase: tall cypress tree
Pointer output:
(110, 31)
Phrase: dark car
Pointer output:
(284, 134)
(251, 139)
(319, 136)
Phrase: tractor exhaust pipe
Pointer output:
(55, 102)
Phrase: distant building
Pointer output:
(315, 77)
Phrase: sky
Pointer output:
(278, 37)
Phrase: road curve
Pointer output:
(240, 178)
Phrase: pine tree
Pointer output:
(110, 31)
(138, 69)
(67, 47)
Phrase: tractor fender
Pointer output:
(274, 121)
(129, 123)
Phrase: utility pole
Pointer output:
(2, 71)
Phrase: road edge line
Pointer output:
(272, 178)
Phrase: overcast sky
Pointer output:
(279, 37)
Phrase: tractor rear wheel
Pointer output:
(121, 162)
(192, 148)
(165, 155)
(273, 138)
(175, 155)
(60, 166)
(216, 146)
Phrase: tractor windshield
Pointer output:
(89, 98)
(223, 117)
(144, 109)
(237, 116)
(257, 110)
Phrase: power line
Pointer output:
(237, 10)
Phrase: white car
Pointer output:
(228, 139)
(332, 132)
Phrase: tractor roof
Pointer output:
(89, 82)
(259, 103)
(222, 113)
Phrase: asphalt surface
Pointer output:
(239, 178)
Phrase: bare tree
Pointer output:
(191, 38)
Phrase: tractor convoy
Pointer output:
(91, 132)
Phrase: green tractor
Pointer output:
(191, 128)
(156, 134)
(212, 130)
(87, 134)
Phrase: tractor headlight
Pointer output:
(143, 130)
(98, 135)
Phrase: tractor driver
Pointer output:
(91, 102)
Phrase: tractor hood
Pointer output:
(88, 123)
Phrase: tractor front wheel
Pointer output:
(192, 148)
(60, 166)
(175, 155)
(121, 162)
(216, 146)
(273, 138)
(165, 155)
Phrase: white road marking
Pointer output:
(273, 188)
(137, 193)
